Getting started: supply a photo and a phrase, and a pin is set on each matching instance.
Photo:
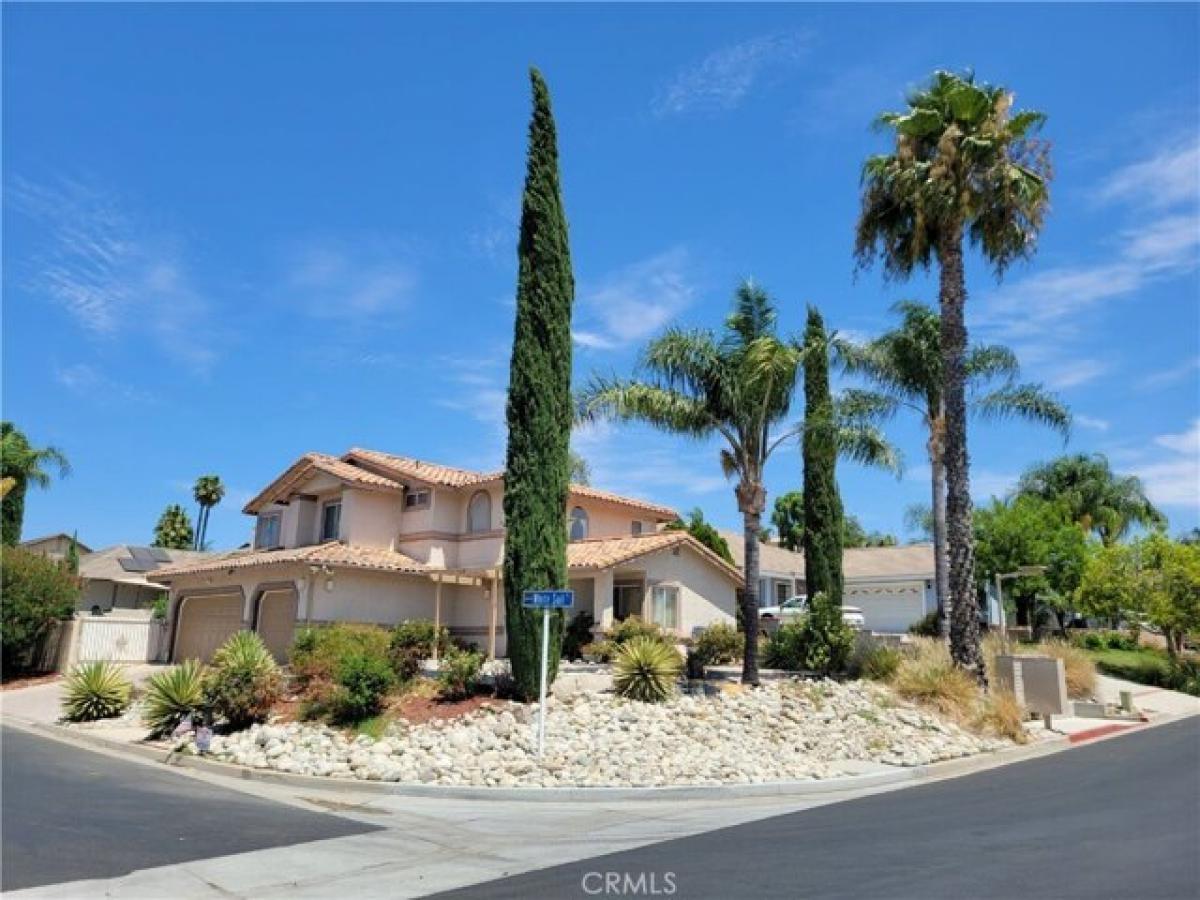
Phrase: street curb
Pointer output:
(811, 788)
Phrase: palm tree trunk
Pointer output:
(751, 523)
(12, 513)
(964, 610)
(941, 570)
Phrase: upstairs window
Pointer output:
(331, 521)
(579, 524)
(416, 499)
(266, 534)
(479, 513)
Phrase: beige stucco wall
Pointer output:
(370, 519)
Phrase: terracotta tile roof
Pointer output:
(603, 553)
(907, 561)
(429, 473)
(320, 462)
(334, 554)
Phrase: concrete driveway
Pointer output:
(42, 703)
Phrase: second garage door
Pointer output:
(277, 621)
(205, 623)
(888, 610)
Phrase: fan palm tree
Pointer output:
(739, 387)
(25, 465)
(963, 166)
(1094, 496)
(207, 492)
(905, 366)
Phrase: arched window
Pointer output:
(579, 524)
(479, 513)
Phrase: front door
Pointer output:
(627, 600)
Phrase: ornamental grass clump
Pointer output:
(1001, 714)
(97, 690)
(928, 675)
(244, 682)
(173, 696)
(1079, 668)
(646, 669)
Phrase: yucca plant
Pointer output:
(174, 695)
(96, 690)
(646, 669)
(244, 681)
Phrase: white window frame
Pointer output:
(260, 530)
(325, 507)
(582, 519)
(417, 498)
(471, 523)
(671, 597)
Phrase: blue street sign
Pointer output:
(548, 599)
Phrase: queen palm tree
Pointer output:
(207, 492)
(963, 166)
(25, 465)
(739, 387)
(1093, 495)
(905, 367)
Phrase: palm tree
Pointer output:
(739, 387)
(1093, 495)
(25, 465)
(207, 492)
(905, 365)
(963, 166)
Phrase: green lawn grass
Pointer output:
(1144, 665)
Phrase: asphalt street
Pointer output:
(1115, 819)
(71, 814)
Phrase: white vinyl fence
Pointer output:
(120, 639)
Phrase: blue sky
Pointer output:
(233, 234)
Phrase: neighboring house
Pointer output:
(372, 537)
(115, 577)
(893, 586)
(54, 546)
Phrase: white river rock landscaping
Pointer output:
(784, 731)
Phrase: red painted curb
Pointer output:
(1092, 733)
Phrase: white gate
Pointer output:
(120, 639)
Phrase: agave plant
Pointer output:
(244, 651)
(174, 695)
(97, 690)
(244, 681)
(646, 669)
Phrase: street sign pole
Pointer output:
(542, 685)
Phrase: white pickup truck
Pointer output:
(795, 608)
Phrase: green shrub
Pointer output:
(646, 669)
(802, 646)
(601, 651)
(317, 653)
(412, 643)
(577, 635)
(634, 627)
(159, 609)
(1105, 640)
(458, 674)
(874, 661)
(243, 682)
(929, 625)
(363, 681)
(1183, 674)
(97, 690)
(174, 695)
(719, 645)
(37, 593)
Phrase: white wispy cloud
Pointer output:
(115, 275)
(87, 381)
(1091, 422)
(477, 386)
(723, 78)
(635, 461)
(360, 280)
(1168, 177)
(1073, 373)
(1173, 478)
(635, 302)
(1164, 377)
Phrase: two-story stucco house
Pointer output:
(372, 537)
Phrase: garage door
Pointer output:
(277, 621)
(205, 623)
(887, 610)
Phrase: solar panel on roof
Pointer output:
(142, 554)
(136, 565)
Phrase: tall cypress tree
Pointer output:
(539, 408)
(822, 503)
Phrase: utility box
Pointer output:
(1038, 682)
